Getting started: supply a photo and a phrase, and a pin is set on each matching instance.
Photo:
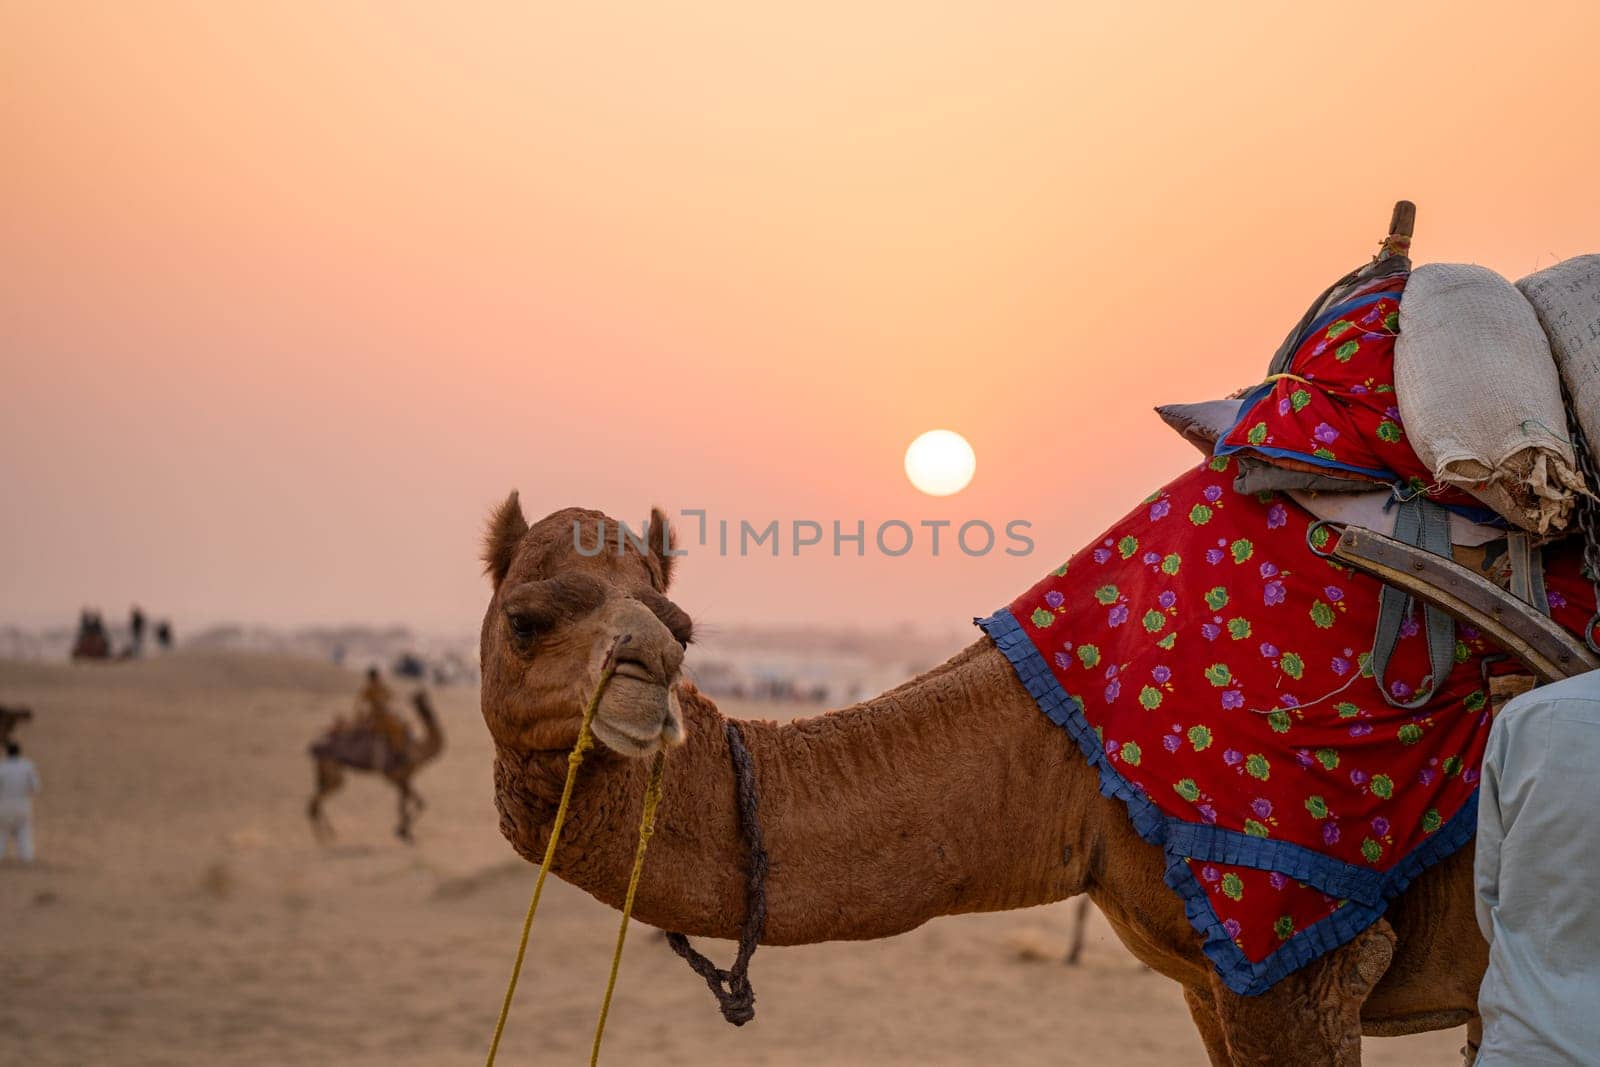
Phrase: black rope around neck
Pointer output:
(732, 987)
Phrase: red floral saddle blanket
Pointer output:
(1213, 669)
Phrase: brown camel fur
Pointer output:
(951, 793)
(418, 754)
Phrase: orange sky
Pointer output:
(293, 293)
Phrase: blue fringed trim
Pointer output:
(1367, 892)
(1067, 713)
(1337, 879)
(1236, 969)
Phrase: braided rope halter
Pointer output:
(731, 987)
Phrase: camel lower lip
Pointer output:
(637, 743)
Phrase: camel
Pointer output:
(951, 793)
(330, 760)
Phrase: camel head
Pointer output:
(424, 707)
(556, 611)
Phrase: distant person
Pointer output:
(92, 641)
(136, 628)
(19, 781)
(375, 696)
(372, 712)
(164, 635)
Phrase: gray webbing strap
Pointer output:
(1426, 525)
(1527, 571)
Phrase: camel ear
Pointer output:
(506, 527)
(662, 540)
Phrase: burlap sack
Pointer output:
(1566, 298)
(1480, 396)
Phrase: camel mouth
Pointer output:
(635, 669)
(638, 715)
(624, 743)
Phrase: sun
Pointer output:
(940, 462)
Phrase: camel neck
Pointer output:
(432, 741)
(948, 794)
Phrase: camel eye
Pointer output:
(535, 608)
(524, 627)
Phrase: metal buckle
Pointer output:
(1329, 524)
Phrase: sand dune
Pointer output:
(181, 914)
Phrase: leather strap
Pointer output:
(1426, 525)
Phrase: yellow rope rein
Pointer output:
(647, 826)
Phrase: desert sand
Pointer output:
(181, 913)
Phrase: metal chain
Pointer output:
(1588, 515)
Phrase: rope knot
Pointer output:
(739, 1006)
(735, 997)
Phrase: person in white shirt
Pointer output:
(1538, 863)
(19, 781)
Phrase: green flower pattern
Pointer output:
(1224, 671)
(1334, 407)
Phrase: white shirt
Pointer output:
(19, 780)
(1538, 863)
